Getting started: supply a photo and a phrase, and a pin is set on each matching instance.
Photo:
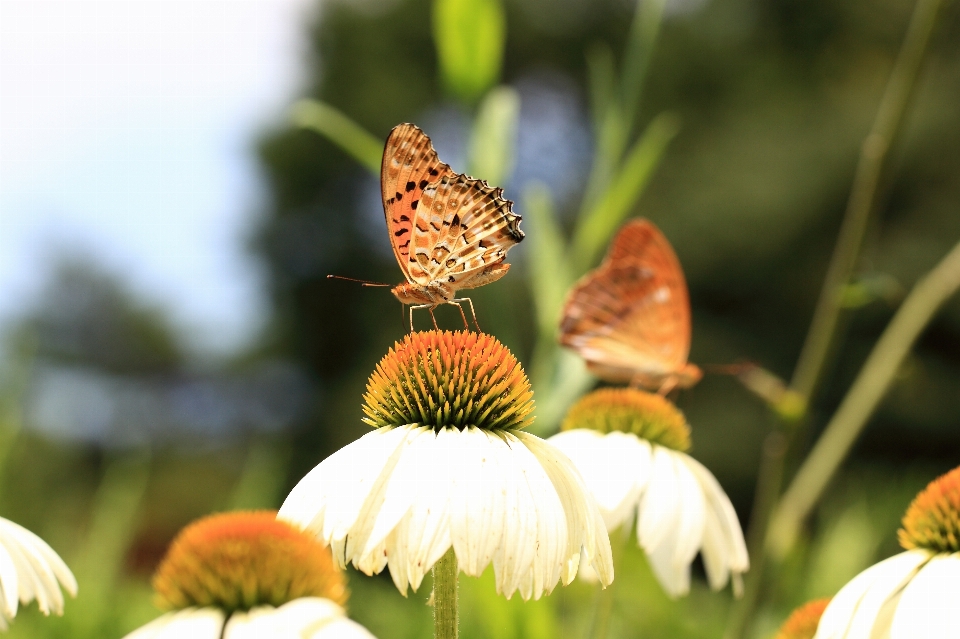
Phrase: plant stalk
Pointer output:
(603, 609)
(868, 389)
(863, 196)
(767, 490)
(821, 334)
(445, 611)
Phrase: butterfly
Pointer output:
(630, 317)
(449, 232)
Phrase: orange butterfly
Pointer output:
(449, 231)
(630, 317)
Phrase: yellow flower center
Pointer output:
(449, 379)
(630, 410)
(235, 561)
(803, 622)
(933, 519)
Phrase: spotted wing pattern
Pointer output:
(630, 317)
(410, 163)
(444, 226)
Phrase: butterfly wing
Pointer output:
(464, 227)
(410, 164)
(631, 316)
(443, 226)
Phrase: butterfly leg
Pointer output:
(668, 386)
(418, 306)
(473, 313)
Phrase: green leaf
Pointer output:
(647, 19)
(470, 36)
(597, 226)
(341, 130)
(494, 136)
(549, 275)
(608, 123)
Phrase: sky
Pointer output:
(127, 131)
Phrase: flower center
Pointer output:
(236, 561)
(933, 519)
(449, 379)
(630, 410)
(803, 622)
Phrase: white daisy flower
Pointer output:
(628, 444)
(449, 467)
(30, 569)
(246, 575)
(913, 594)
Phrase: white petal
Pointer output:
(477, 513)
(560, 534)
(38, 569)
(838, 619)
(9, 583)
(304, 617)
(585, 527)
(726, 517)
(329, 499)
(659, 512)
(393, 495)
(930, 604)
(615, 468)
(716, 551)
(192, 623)
(886, 583)
(342, 628)
(514, 556)
(693, 514)
(671, 556)
(423, 534)
(550, 539)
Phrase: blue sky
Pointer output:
(126, 133)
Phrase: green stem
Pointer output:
(820, 336)
(445, 613)
(604, 606)
(868, 389)
(602, 613)
(863, 196)
(765, 498)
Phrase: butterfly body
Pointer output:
(630, 317)
(448, 231)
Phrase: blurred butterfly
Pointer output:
(449, 231)
(630, 317)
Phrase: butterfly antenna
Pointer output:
(737, 368)
(353, 279)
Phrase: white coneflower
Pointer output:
(30, 569)
(629, 444)
(448, 466)
(243, 575)
(916, 593)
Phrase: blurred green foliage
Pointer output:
(733, 124)
(469, 35)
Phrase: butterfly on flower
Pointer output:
(630, 317)
(449, 232)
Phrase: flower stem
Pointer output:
(821, 334)
(445, 613)
(868, 389)
(863, 196)
(604, 606)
